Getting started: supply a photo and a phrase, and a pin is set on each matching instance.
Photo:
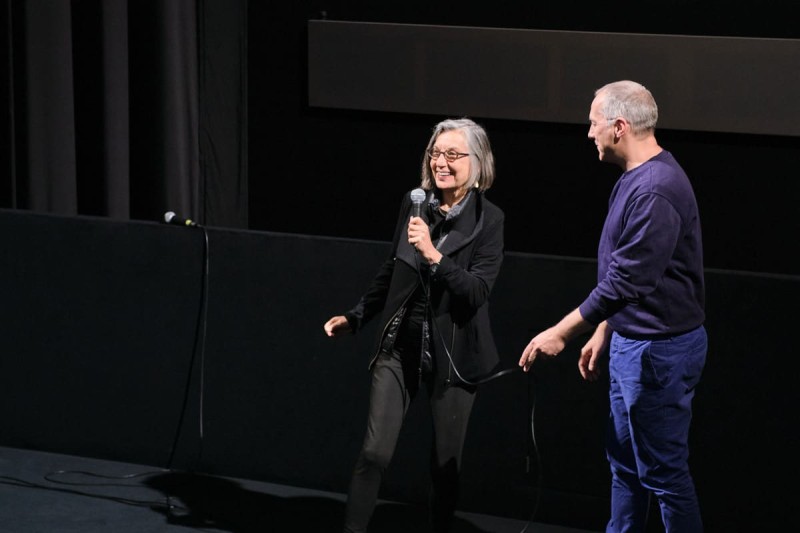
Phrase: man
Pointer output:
(648, 308)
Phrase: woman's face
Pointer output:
(451, 176)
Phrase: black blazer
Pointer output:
(459, 289)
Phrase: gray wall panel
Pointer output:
(720, 84)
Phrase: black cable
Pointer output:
(49, 477)
(531, 398)
(535, 450)
(199, 346)
(7, 480)
(426, 290)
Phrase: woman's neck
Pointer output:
(451, 198)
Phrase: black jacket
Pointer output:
(459, 289)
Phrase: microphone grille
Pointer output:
(418, 196)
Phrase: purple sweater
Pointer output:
(650, 256)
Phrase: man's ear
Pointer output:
(621, 127)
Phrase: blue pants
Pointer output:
(652, 383)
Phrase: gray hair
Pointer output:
(631, 101)
(481, 174)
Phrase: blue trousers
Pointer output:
(652, 383)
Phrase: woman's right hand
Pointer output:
(336, 326)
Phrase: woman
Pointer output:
(432, 296)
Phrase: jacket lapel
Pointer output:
(465, 226)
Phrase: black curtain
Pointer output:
(125, 109)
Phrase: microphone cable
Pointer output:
(151, 504)
(534, 447)
(534, 450)
(198, 348)
(426, 290)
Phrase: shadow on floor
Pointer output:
(203, 501)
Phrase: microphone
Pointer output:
(171, 218)
(417, 197)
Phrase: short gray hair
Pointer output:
(481, 173)
(631, 101)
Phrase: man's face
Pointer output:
(601, 131)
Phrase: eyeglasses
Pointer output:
(450, 155)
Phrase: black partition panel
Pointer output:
(100, 321)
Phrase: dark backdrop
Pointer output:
(130, 109)
(124, 109)
(310, 165)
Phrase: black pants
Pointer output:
(390, 398)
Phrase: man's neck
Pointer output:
(641, 152)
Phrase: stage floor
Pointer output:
(44, 492)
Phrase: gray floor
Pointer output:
(51, 493)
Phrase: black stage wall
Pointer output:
(212, 109)
(309, 156)
(98, 355)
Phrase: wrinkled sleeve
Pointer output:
(472, 285)
(639, 259)
(374, 299)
